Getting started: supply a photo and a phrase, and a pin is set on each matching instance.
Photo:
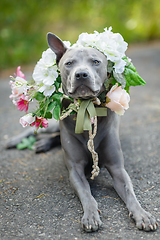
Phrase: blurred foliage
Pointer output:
(24, 23)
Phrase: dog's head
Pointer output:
(83, 69)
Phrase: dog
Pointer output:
(83, 73)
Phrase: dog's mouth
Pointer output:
(83, 92)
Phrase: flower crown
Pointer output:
(45, 87)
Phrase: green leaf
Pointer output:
(41, 105)
(32, 139)
(47, 100)
(30, 147)
(57, 96)
(120, 78)
(57, 83)
(51, 106)
(56, 111)
(132, 67)
(126, 60)
(39, 96)
(26, 143)
(111, 80)
(127, 89)
(48, 115)
(132, 77)
(21, 146)
(108, 82)
(129, 64)
(58, 79)
(110, 66)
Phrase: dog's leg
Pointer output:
(90, 220)
(123, 185)
(76, 159)
(44, 144)
(40, 146)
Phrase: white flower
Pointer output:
(47, 90)
(86, 39)
(67, 43)
(48, 58)
(119, 66)
(19, 87)
(26, 120)
(45, 72)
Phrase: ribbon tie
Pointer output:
(87, 111)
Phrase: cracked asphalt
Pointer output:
(36, 198)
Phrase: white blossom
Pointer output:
(47, 90)
(27, 119)
(45, 72)
(67, 43)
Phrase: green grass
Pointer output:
(24, 24)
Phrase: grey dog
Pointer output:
(83, 73)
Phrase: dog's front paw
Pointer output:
(91, 221)
(42, 145)
(144, 220)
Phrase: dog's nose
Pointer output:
(81, 75)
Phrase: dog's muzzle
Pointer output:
(82, 86)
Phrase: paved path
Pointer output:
(36, 199)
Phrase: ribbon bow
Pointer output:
(86, 111)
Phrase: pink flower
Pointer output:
(19, 86)
(27, 120)
(23, 103)
(40, 121)
(20, 73)
(119, 99)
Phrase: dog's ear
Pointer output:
(57, 46)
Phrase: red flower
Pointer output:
(23, 103)
(40, 121)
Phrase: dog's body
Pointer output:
(83, 72)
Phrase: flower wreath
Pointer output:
(45, 87)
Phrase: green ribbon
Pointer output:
(86, 111)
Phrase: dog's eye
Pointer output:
(96, 62)
(68, 63)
